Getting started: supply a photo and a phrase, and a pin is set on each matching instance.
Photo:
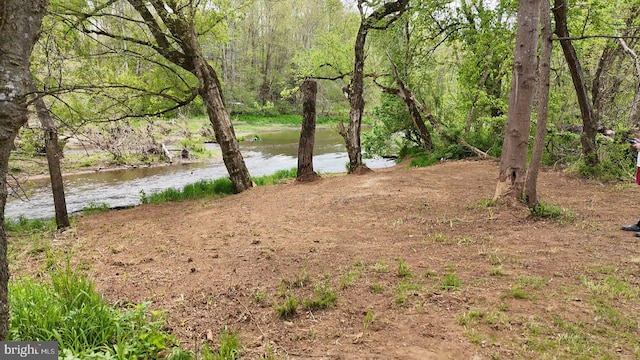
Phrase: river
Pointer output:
(274, 151)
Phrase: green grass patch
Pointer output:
(212, 188)
(547, 211)
(26, 226)
(95, 208)
(323, 297)
(70, 311)
(287, 309)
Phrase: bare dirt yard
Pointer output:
(421, 265)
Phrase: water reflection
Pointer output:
(274, 151)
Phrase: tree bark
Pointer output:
(514, 150)
(54, 153)
(590, 125)
(309, 90)
(356, 102)
(544, 73)
(19, 30)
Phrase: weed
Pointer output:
(349, 279)
(323, 298)
(71, 312)
(369, 317)
(403, 270)
(259, 296)
(468, 317)
(517, 292)
(451, 283)
(404, 289)
(380, 267)
(288, 308)
(377, 288)
(544, 210)
(496, 271)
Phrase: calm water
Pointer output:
(275, 151)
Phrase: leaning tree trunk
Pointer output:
(18, 34)
(221, 121)
(544, 72)
(590, 125)
(516, 141)
(309, 91)
(54, 153)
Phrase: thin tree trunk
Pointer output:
(356, 100)
(54, 153)
(544, 72)
(590, 126)
(18, 34)
(407, 96)
(309, 90)
(514, 150)
(634, 113)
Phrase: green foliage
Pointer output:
(69, 310)
(30, 142)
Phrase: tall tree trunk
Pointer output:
(356, 102)
(590, 125)
(54, 153)
(381, 18)
(19, 30)
(309, 90)
(544, 72)
(514, 150)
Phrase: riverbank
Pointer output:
(399, 263)
(81, 158)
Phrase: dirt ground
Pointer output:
(477, 281)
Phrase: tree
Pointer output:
(171, 32)
(514, 149)
(19, 29)
(309, 89)
(380, 18)
(590, 125)
(54, 153)
(544, 73)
